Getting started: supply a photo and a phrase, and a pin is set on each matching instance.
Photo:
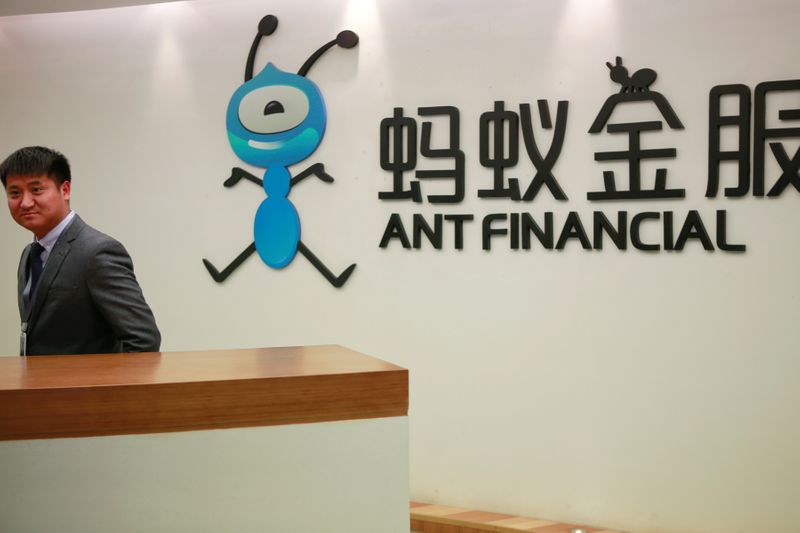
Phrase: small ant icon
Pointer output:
(274, 120)
(640, 81)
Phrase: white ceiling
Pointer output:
(27, 7)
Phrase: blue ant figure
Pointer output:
(274, 120)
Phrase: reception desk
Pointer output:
(277, 439)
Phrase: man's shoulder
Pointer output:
(90, 236)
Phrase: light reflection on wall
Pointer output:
(170, 77)
(584, 18)
(362, 17)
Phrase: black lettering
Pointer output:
(458, 224)
(544, 165)
(717, 121)
(452, 151)
(669, 238)
(762, 134)
(398, 150)
(693, 228)
(722, 234)
(573, 228)
(488, 231)
(515, 231)
(618, 235)
(790, 168)
(635, 238)
(434, 234)
(529, 226)
(395, 230)
(493, 150)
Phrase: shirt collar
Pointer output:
(49, 240)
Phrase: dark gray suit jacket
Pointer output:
(87, 299)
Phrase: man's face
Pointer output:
(37, 203)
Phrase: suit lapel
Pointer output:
(53, 264)
(22, 279)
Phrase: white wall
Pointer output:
(650, 392)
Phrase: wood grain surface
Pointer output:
(115, 394)
(428, 518)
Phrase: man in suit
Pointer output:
(77, 291)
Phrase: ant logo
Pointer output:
(635, 88)
(641, 80)
(274, 120)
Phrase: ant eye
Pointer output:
(273, 109)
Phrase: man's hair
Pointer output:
(35, 161)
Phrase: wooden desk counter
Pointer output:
(116, 394)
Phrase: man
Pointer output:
(77, 292)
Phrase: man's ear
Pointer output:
(66, 190)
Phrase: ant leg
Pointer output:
(239, 173)
(317, 169)
(218, 276)
(334, 280)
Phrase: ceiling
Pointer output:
(28, 7)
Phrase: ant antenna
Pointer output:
(345, 39)
(266, 26)
(619, 63)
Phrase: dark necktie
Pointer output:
(36, 268)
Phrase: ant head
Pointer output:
(275, 118)
(618, 73)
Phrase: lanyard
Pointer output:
(23, 339)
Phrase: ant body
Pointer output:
(274, 120)
(640, 81)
